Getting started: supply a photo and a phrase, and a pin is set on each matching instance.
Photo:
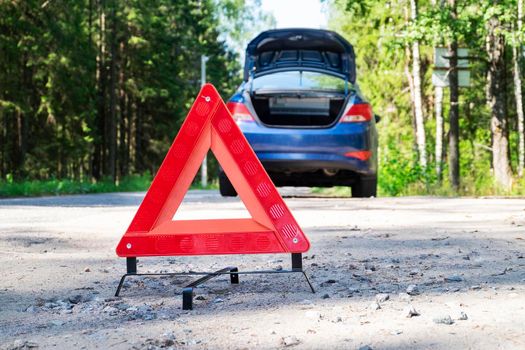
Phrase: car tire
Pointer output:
(225, 186)
(365, 187)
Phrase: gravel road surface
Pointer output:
(390, 273)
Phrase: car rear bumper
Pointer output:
(307, 162)
(307, 150)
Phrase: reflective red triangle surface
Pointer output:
(272, 228)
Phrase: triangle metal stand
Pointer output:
(188, 290)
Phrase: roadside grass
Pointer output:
(470, 186)
(336, 191)
(34, 188)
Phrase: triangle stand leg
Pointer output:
(297, 266)
(188, 291)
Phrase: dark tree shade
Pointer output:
(99, 88)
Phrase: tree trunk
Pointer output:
(410, 80)
(418, 95)
(122, 159)
(3, 141)
(518, 92)
(495, 46)
(138, 139)
(98, 155)
(129, 134)
(17, 143)
(453, 115)
(112, 120)
(411, 89)
(438, 106)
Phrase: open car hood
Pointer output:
(299, 48)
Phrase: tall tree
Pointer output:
(516, 60)
(418, 93)
(495, 46)
(453, 116)
(440, 122)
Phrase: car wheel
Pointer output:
(225, 186)
(365, 187)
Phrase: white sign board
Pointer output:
(441, 58)
(442, 65)
(440, 78)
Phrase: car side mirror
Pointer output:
(378, 118)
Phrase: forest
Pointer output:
(93, 91)
(465, 140)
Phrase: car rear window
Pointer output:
(298, 80)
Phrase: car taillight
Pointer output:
(239, 112)
(361, 155)
(359, 112)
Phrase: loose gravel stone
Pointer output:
(463, 316)
(374, 306)
(412, 289)
(382, 297)
(443, 320)
(20, 344)
(453, 278)
(122, 306)
(75, 299)
(410, 312)
(31, 309)
(365, 347)
(370, 267)
(290, 341)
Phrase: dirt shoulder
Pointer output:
(461, 259)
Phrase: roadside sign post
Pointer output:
(442, 67)
(204, 166)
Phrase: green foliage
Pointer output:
(94, 89)
(61, 187)
(55, 187)
(381, 32)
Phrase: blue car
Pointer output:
(300, 108)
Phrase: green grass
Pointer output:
(30, 188)
(470, 186)
(337, 191)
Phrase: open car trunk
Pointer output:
(299, 77)
(297, 110)
(300, 48)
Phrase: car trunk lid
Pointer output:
(300, 49)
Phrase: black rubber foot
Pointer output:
(187, 298)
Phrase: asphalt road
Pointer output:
(463, 255)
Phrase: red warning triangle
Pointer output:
(153, 232)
